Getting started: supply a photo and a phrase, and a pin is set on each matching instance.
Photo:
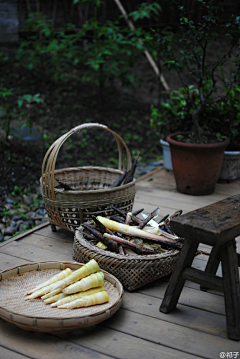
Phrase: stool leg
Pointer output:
(231, 288)
(212, 264)
(176, 282)
(53, 228)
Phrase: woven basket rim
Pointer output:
(108, 254)
(114, 189)
(13, 271)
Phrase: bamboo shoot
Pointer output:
(53, 298)
(134, 246)
(132, 231)
(119, 181)
(108, 242)
(63, 274)
(41, 291)
(92, 281)
(72, 297)
(148, 218)
(84, 271)
(98, 298)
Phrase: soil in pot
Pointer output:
(196, 166)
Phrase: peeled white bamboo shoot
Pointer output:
(72, 297)
(53, 298)
(41, 291)
(63, 274)
(84, 271)
(131, 230)
(158, 231)
(52, 293)
(98, 298)
(92, 281)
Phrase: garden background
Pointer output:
(64, 63)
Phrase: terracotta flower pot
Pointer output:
(196, 167)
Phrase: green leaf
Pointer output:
(165, 105)
(20, 102)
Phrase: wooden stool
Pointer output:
(216, 225)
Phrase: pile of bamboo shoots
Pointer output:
(127, 234)
(69, 289)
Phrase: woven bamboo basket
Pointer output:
(91, 195)
(35, 315)
(133, 271)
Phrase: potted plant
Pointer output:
(198, 108)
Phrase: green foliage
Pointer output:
(111, 53)
(174, 113)
(145, 10)
(44, 53)
(99, 52)
(228, 110)
(13, 106)
(192, 51)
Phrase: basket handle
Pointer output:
(50, 158)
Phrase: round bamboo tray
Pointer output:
(91, 194)
(133, 271)
(35, 315)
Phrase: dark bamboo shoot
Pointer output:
(101, 226)
(130, 175)
(148, 218)
(119, 181)
(163, 219)
(123, 214)
(117, 219)
(124, 242)
(135, 213)
(108, 242)
(88, 236)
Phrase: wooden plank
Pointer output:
(118, 344)
(40, 345)
(166, 206)
(193, 318)
(9, 354)
(51, 244)
(59, 234)
(21, 235)
(148, 207)
(34, 254)
(149, 175)
(172, 200)
(171, 335)
(190, 297)
(227, 189)
(164, 180)
(8, 261)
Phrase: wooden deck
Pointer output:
(196, 329)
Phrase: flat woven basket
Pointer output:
(133, 271)
(91, 195)
(35, 315)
